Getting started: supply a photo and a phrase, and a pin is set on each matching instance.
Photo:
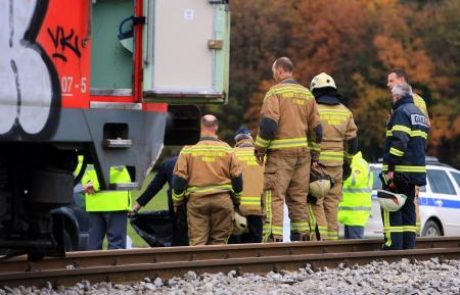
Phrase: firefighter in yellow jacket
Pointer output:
(253, 179)
(290, 136)
(337, 149)
(107, 210)
(208, 176)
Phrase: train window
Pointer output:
(440, 182)
(111, 61)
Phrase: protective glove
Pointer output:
(236, 199)
(260, 153)
(346, 171)
(311, 199)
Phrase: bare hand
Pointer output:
(390, 175)
(89, 188)
(314, 164)
(136, 208)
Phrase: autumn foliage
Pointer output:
(357, 42)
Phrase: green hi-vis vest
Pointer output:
(105, 201)
(355, 207)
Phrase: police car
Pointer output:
(439, 201)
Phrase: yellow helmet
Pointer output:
(240, 223)
(322, 80)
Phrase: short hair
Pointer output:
(402, 89)
(400, 73)
(284, 63)
(209, 121)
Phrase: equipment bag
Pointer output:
(155, 227)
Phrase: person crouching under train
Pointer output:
(209, 175)
(337, 149)
(403, 168)
(253, 179)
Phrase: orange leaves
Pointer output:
(358, 42)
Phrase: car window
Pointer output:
(456, 177)
(440, 182)
(377, 183)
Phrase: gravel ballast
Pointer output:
(404, 277)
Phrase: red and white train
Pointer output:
(112, 80)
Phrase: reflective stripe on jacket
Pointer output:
(253, 178)
(292, 108)
(338, 128)
(355, 207)
(208, 167)
(405, 143)
(105, 201)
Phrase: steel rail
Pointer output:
(131, 265)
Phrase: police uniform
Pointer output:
(253, 180)
(288, 114)
(404, 154)
(207, 175)
(355, 207)
(107, 210)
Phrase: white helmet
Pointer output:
(320, 184)
(322, 80)
(390, 201)
(240, 224)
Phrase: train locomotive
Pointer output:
(112, 81)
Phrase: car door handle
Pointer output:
(438, 203)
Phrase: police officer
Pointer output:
(399, 76)
(210, 177)
(107, 210)
(288, 113)
(355, 207)
(337, 149)
(253, 179)
(404, 165)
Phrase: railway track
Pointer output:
(120, 266)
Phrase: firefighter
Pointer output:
(253, 179)
(398, 76)
(209, 177)
(289, 113)
(355, 207)
(107, 210)
(337, 149)
(404, 165)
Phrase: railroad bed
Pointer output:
(120, 266)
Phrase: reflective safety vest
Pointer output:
(355, 207)
(105, 201)
(253, 180)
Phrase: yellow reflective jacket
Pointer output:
(106, 201)
(355, 207)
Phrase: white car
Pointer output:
(439, 202)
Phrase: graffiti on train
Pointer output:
(30, 90)
(64, 42)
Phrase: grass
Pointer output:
(160, 202)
